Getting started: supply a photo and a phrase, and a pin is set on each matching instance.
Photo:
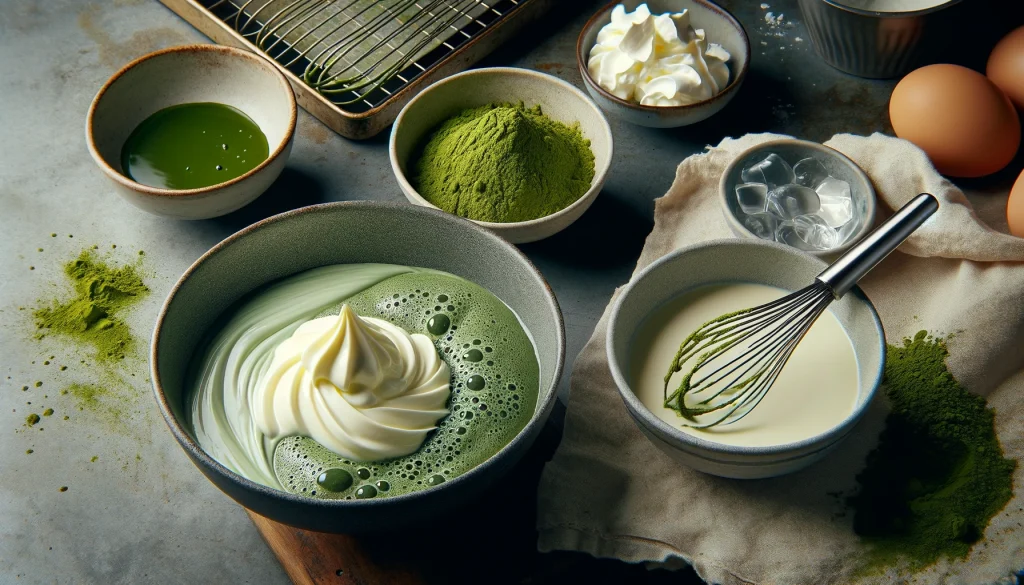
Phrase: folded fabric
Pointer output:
(611, 493)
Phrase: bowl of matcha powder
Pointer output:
(520, 153)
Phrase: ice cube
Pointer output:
(790, 201)
(810, 172)
(752, 197)
(771, 170)
(845, 233)
(785, 233)
(761, 225)
(807, 232)
(836, 202)
(815, 232)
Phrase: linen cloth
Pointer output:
(609, 492)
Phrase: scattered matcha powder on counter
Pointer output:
(87, 394)
(503, 163)
(48, 412)
(94, 315)
(938, 474)
(63, 488)
(93, 319)
(32, 419)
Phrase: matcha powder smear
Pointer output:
(93, 316)
(504, 163)
(938, 474)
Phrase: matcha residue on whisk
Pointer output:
(688, 349)
(938, 474)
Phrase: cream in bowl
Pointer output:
(193, 132)
(391, 358)
(356, 381)
(819, 396)
(795, 409)
(663, 63)
(657, 60)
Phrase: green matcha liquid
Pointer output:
(191, 146)
(495, 378)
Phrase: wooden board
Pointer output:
(313, 558)
(492, 541)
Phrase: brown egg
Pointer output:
(966, 125)
(1006, 66)
(1015, 208)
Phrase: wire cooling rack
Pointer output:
(355, 63)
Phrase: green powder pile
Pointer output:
(504, 163)
(938, 474)
(102, 294)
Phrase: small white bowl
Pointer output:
(478, 87)
(838, 165)
(189, 74)
(759, 262)
(721, 28)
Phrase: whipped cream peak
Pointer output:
(360, 386)
(657, 60)
(356, 359)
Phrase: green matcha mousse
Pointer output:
(493, 368)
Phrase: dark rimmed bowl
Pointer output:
(721, 27)
(756, 261)
(350, 232)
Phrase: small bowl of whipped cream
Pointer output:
(663, 63)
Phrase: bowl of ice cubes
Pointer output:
(799, 193)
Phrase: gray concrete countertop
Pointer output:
(135, 510)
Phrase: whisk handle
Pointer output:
(844, 273)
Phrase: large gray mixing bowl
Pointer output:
(350, 232)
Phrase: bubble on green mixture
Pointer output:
(491, 401)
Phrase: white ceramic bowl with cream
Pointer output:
(558, 99)
(190, 74)
(736, 261)
(721, 28)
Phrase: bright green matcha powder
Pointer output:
(93, 316)
(938, 474)
(504, 163)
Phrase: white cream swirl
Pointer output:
(657, 60)
(360, 386)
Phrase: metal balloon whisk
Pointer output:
(734, 360)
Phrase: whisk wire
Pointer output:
(738, 357)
